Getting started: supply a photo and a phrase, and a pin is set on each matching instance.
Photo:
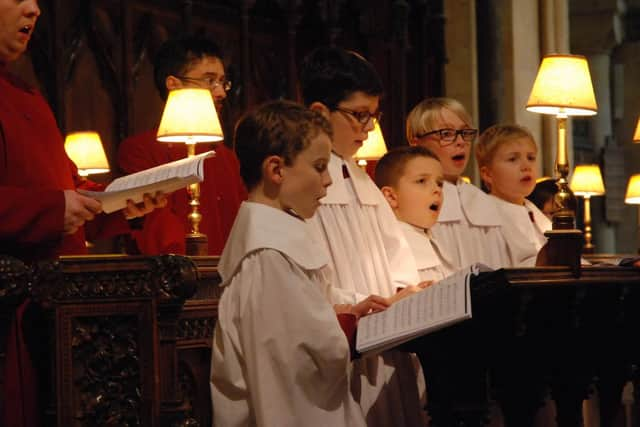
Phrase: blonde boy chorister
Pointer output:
(507, 156)
(468, 228)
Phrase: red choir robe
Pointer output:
(221, 194)
(34, 172)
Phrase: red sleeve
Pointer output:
(30, 216)
(349, 324)
(163, 233)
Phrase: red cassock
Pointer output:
(34, 171)
(221, 193)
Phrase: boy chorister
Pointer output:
(279, 355)
(368, 251)
(468, 228)
(411, 179)
(507, 156)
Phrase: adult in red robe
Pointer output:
(41, 214)
(187, 62)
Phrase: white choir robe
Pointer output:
(369, 255)
(279, 355)
(431, 266)
(469, 228)
(524, 237)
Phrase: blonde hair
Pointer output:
(424, 116)
(495, 136)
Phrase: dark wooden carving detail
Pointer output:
(106, 370)
(113, 331)
(92, 59)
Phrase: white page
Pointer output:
(178, 169)
(437, 306)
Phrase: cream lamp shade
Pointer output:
(563, 87)
(632, 197)
(636, 134)
(190, 117)
(86, 151)
(374, 146)
(587, 181)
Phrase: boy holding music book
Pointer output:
(279, 355)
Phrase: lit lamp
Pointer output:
(190, 117)
(87, 152)
(636, 134)
(632, 197)
(587, 182)
(373, 148)
(563, 88)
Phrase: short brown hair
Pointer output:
(391, 166)
(423, 117)
(280, 128)
(496, 135)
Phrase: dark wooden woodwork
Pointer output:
(128, 340)
(118, 340)
(535, 330)
(92, 59)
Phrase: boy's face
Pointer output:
(453, 155)
(305, 182)
(417, 196)
(349, 134)
(17, 22)
(511, 174)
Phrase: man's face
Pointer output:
(206, 73)
(17, 22)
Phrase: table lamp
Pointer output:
(87, 152)
(563, 88)
(190, 117)
(636, 134)
(587, 182)
(632, 196)
(373, 148)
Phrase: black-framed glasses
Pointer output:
(210, 82)
(362, 117)
(448, 136)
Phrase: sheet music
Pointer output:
(178, 169)
(165, 178)
(439, 305)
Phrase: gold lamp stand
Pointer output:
(197, 243)
(563, 88)
(190, 117)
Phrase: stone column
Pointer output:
(461, 69)
(595, 33)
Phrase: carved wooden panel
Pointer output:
(93, 58)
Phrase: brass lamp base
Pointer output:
(563, 247)
(197, 244)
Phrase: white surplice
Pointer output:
(369, 255)
(431, 266)
(524, 236)
(279, 355)
(469, 228)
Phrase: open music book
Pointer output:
(166, 178)
(441, 304)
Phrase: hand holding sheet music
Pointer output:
(444, 303)
(166, 178)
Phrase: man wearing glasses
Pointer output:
(182, 63)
